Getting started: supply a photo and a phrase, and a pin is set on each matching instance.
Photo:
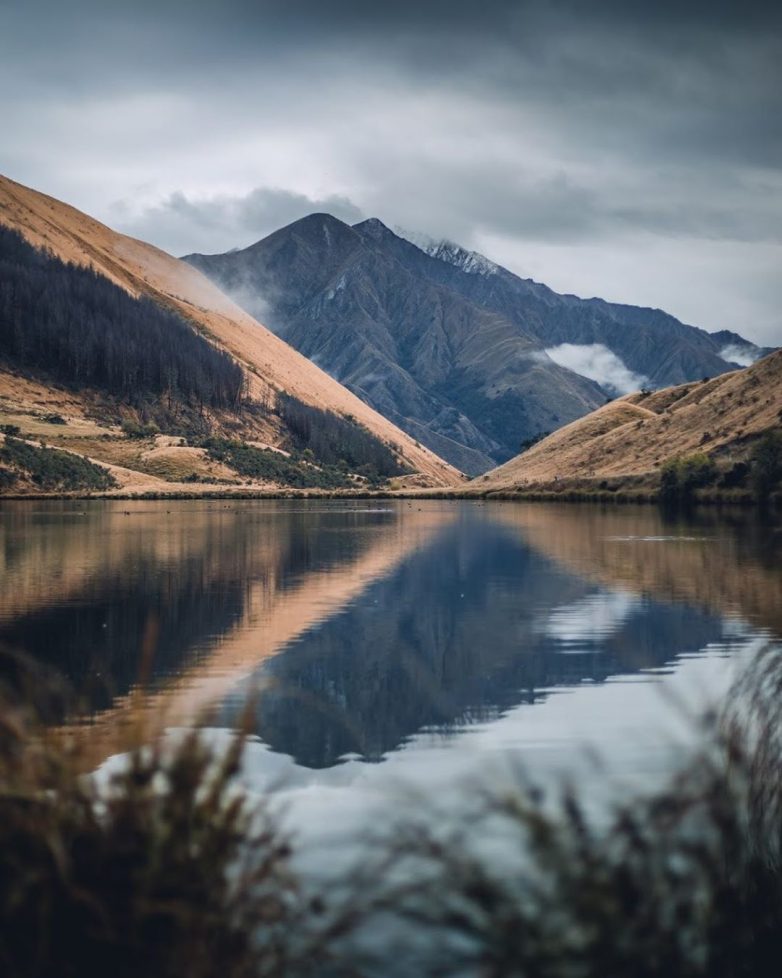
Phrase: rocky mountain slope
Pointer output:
(464, 355)
(629, 440)
(271, 367)
(654, 346)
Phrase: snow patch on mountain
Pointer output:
(449, 251)
(338, 286)
(468, 261)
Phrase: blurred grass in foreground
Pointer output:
(169, 869)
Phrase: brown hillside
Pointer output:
(632, 437)
(143, 269)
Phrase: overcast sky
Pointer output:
(628, 149)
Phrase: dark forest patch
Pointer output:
(75, 326)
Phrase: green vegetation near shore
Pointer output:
(680, 477)
(766, 462)
(50, 469)
(267, 465)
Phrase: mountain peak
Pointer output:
(319, 219)
(373, 227)
(318, 230)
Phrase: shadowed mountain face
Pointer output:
(449, 346)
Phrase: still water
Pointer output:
(367, 641)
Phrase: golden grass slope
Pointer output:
(140, 268)
(633, 436)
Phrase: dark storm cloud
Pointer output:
(562, 134)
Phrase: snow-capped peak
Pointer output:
(448, 251)
(468, 261)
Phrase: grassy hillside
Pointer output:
(725, 424)
(218, 341)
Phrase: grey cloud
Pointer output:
(553, 127)
(556, 208)
(217, 224)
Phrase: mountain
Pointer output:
(467, 357)
(627, 441)
(133, 286)
(367, 307)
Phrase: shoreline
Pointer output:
(741, 498)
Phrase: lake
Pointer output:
(370, 643)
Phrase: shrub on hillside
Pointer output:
(735, 476)
(680, 477)
(266, 465)
(52, 469)
(766, 461)
(134, 429)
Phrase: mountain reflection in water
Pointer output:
(356, 626)
(470, 626)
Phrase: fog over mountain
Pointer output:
(459, 352)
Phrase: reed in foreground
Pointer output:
(163, 870)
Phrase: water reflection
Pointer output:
(727, 562)
(95, 591)
(360, 626)
(467, 628)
